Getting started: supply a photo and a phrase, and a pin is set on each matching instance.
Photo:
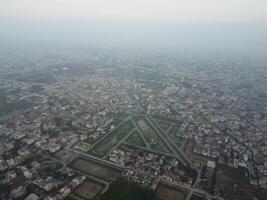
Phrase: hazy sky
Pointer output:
(232, 23)
(182, 11)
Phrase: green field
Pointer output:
(166, 192)
(7, 107)
(163, 125)
(150, 135)
(70, 198)
(195, 197)
(136, 139)
(92, 141)
(109, 141)
(122, 190)
(118, 117)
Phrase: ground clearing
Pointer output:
(96, 169)
(89, 189)
(233, 184)
(164, 192)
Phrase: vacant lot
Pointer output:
(106, 144)
(233, 184)
(89, 189)
(166, 193)
(95, 169)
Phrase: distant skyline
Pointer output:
(139, 11)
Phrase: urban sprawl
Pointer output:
(74, 122)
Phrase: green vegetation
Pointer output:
(166, 120)
(168, 192)
(118, 117)
(122, 190)
(37, 77)
(190, 172)
(104, 145)
(8, 108)
(195, 197)
(134, 73)
(36, 88)
(91, 141)
(150, 135)
(163, 125)
(3, 97)
(157, 86)
(70, 198)
(136, 139)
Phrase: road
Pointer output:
(182, 157)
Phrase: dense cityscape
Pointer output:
(77, 124)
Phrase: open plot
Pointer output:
(89, 189)
(105, 144)
(136, 139)
(164, 192)
(151, 137)
(233, 184)
(96, 169)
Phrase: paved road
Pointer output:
(119, 143)
(125, 119)
(140, 133)
(170, 144)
